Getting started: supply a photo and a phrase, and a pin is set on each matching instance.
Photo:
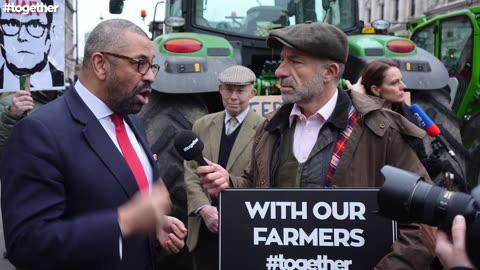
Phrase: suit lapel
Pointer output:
(101, 143)
(103, 146)
(246, 134)
(216, 133)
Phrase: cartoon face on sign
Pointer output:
(26, 31)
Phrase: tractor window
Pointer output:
(456, 46)
(425, 38)
(176, 8)
(259, 17)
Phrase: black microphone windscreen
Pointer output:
(188, 145)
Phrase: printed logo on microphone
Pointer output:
(420, 120)
(190, 146)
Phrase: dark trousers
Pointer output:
(205, 255)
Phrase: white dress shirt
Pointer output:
(307, 129)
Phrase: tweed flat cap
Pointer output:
(319, 39)
(237, 75)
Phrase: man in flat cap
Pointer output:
(326, 137)
(228, 139)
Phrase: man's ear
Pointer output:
(253, 92)
(99, 65)
(330, 72)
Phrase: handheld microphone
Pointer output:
(430, 127)
(189, 146)
(425, 121)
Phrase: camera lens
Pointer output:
(437, 206)
(406, 197)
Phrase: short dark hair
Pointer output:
(108, 35)
(374, 73)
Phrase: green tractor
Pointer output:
(197, 39)
(454, 38)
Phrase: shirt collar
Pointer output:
(240, 117)
(96, 105)
(325, 112)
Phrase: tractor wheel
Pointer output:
(163, 116)
(436, 103)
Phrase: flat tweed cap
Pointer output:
(237, 75)
(319, 39)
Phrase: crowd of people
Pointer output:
(81, 187)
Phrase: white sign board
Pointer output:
(32, 42)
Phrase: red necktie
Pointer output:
(129, 153)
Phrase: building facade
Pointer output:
(399, 12)
(70, 45)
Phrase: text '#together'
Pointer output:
(322, 262)
(10, 7)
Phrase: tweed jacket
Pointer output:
(209, 129)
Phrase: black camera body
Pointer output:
(406, 197)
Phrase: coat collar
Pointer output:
(217, 126)
(246, 134)
(278, 121)
(365, 103)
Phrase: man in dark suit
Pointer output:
(26, 41)
(230, 144)
(72, 170)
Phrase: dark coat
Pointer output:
(62, 183)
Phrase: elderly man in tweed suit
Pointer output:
(228, 138)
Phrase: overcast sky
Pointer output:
(91, 12)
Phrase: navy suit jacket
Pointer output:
(62, 180)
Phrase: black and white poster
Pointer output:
(302, 229)
(32, 42)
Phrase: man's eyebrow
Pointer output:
(141, 57)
